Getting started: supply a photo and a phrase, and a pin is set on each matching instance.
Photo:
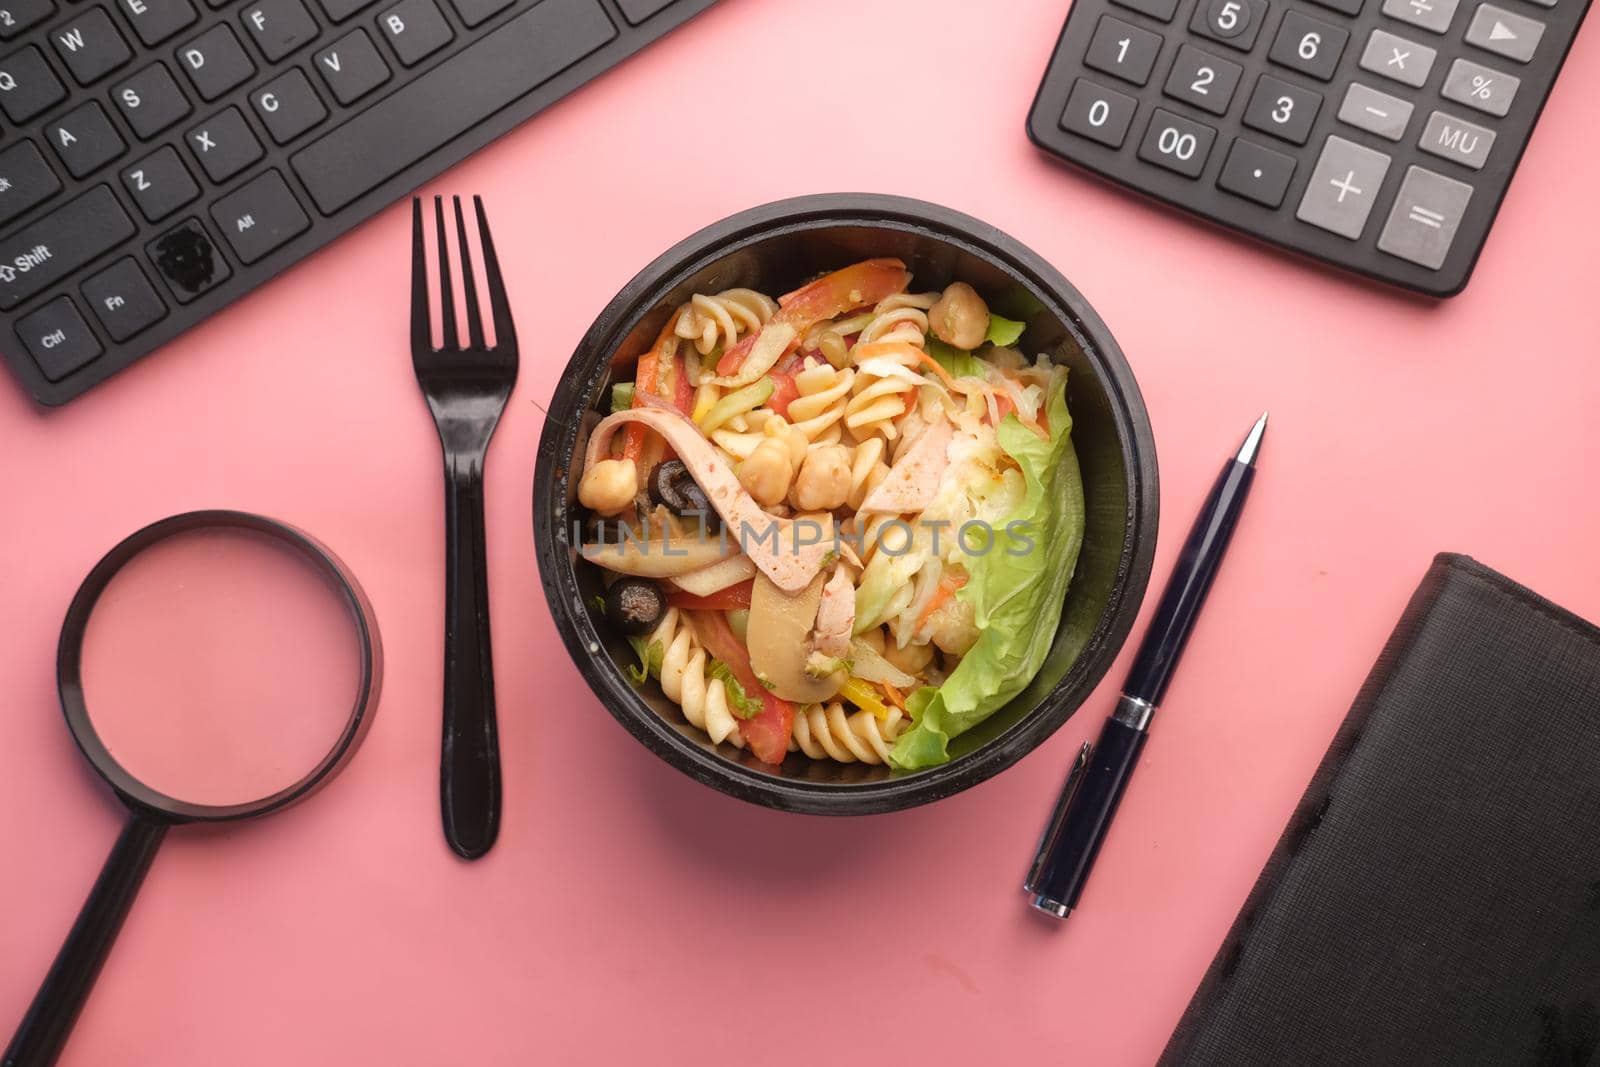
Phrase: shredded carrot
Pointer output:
(901, 348)
(895, 696)
(948, 586)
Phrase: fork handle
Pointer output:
(469, 766)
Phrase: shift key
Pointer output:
(52, 247)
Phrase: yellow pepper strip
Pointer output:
(863, 696)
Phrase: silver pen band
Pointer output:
(1134, 712)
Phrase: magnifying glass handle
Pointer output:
(38, 1041)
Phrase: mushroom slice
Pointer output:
(779, 641)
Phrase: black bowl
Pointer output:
(774, 249)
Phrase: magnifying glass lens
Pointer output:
(220, 666)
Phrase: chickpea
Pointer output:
(778, 427)
(767, 472)
(960, 317)
(874, 639)
(824, 480)
(913, 659)
(609, 486)
(954, 628)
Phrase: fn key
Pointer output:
(261, 216)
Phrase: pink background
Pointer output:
(628, 912)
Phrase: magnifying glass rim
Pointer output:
(69, 666)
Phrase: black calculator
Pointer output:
(1376, 135)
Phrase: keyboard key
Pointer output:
(1282, 109)
(1457, 140)
(636, 11)
(151, 101)
(1308, 45)
(288, 106)
(19, 15)
(53, 246)
(123, 300)
(429, 112)
(26, 180)
(28, 85)
(1201, 79)
(1176, 143)
(1234, 23)
(156, 20)
(1379, 113)
(1396, 58)
(188, 261)
(84, 139)
(1257, 173)
(1423, 222)
(1122, 50)
(352, 67)
(260, 217)
(339, 10)
(1481, 87)
(415, 29)
(58, 338)
(215, 62)
(278, 26)
(1156, 9)
(1098, 113)
(1344, 7)
(224, 145)
(159, 184)
(90, 46)
(1497, 30)
(1343, 187)
(1431, 15)
(476, 12)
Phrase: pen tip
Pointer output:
(1252, 441)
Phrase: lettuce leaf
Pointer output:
(650, 655)
(740, 703)
(1004, 332)
(960, 364)
(1017, 591)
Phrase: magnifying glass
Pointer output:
(214, 666)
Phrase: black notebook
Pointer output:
(1435, 899)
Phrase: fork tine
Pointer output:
(421, 328)
(447, 296)
(505, 333)
(469, 284)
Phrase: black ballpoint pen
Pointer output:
(1099, 775)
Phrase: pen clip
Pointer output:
(1058, 815)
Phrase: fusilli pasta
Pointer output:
(712, 320)
(704, 700)
(825, 731)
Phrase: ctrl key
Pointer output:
(58, 338)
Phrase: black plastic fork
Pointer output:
(466, 386)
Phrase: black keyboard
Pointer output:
(1376, 135)
(164, 157)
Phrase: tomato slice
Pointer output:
(784, 392)
(768, 733)
(730, 599)
(828, 297)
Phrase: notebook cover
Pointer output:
(1435, 898)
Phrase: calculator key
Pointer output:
(123, 300)
(156, 20)
(261, 216)
(1343, 187)
(1505, 34)
(1344, 7)
(1122, 51)
(475, 12)
(288, 106)
(1431, 15)
(1098, 113)
(215, 62)
(150, 100)
(1234, 23)
(224, 145)
(27, 85)
(26, 180)
(58, 338)
(352, 67)
(1480, 87)
(278, 26)
(18, 15)
(84, 139)
(188, 260)
(1422, 224)
(1457, 140)
(1156, 9)
(1379, 113)
(1396, 58)
(1257, 173)
(1201, 79)
(90, 46)
(54, 245)
(416, 29)
(159, 184)
(1176, 143)
(1308, 45)
(1282, 109)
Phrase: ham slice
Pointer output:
(913, 481)
(836, 615)
(779, 547)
